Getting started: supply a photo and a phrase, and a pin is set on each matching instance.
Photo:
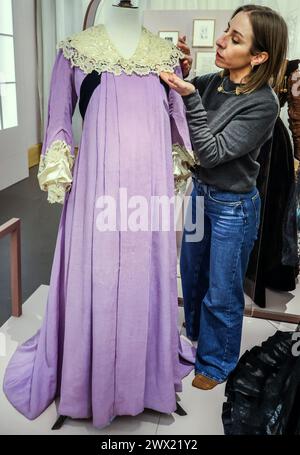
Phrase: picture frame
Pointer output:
(169, 35)
(204, 32)
(205, 63)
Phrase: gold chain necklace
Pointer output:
(234, 92)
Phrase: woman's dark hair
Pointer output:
(270, 34)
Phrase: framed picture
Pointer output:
(205, 63)
(169, 36)
(204, 32)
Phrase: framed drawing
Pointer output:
(205, 63)
(169, 36)
(204, 32)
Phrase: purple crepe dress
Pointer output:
(109, 343)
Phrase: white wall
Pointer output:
(14, 142)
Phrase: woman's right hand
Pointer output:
(187, 61)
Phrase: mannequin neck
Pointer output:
(127, 20)
(124, 27)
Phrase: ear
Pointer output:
(260, 58)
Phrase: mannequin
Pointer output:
(97, 288)
(123, 25)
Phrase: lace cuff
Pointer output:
(183, 164)
(55, 171)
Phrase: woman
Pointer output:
(230, 115)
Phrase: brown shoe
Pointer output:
(204, 383)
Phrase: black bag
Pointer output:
(263, 392)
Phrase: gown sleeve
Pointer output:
(183, 157)
(58, 151)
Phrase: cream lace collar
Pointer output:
(92, 49)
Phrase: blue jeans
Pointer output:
(213, 272)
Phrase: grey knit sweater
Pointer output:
(228, 131)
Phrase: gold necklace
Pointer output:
(234, 92)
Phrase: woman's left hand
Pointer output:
(182, 87)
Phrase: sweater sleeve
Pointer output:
(201, 82)
(248, 130)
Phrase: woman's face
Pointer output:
(233, 47)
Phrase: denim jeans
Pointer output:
(213, 272)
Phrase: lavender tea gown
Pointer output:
(109, 343)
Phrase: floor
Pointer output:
(39, 232)
(203, 408)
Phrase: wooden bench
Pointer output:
(13, 228)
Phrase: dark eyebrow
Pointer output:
(235, 31)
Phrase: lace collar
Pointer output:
(92, 49)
